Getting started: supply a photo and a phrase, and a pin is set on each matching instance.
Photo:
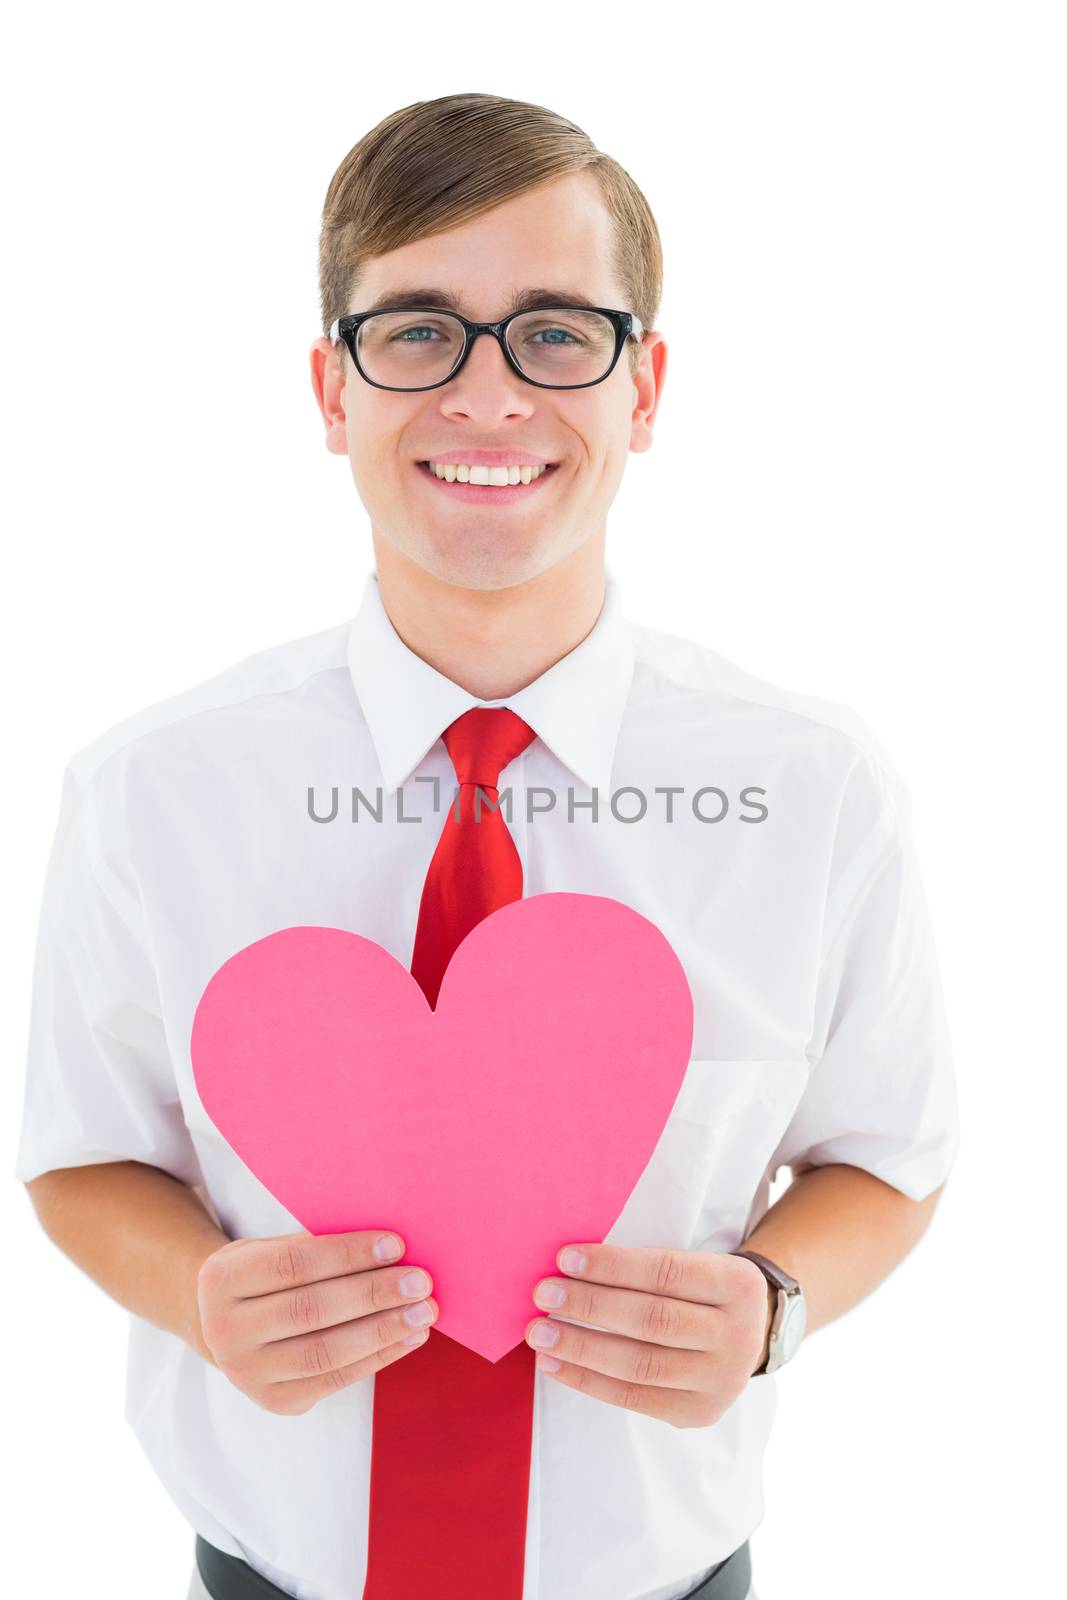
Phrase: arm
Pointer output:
(674, 1334)
(839, 1231)
(137, 1232)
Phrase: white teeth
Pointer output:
(496, 476)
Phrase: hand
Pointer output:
(294, 1318)
(687, 1328)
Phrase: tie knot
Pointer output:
(483, 740)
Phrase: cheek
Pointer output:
(382, 430)
(599, 435)
(376, 466)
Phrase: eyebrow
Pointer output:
(522, 300)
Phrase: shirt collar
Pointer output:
(576, 707)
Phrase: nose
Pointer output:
(485, 348)
(486, 383)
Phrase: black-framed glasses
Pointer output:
(422, 347)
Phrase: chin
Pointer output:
(483, 562)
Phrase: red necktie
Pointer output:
(451, 1440)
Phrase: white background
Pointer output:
(856, 490)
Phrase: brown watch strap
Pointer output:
(775, 1275)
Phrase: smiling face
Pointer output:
(557, 236)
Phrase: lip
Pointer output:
(492, 458)
(483, 494)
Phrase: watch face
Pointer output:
(793, 1325)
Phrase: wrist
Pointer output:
(192, 1331)
(786, 1312)
(772, 1306)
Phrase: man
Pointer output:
(764, 833)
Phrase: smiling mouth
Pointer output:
(501, 478)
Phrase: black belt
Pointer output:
(227, 1577)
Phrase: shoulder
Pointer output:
(206, 712)
(828, 736)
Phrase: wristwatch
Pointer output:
(790, 1316)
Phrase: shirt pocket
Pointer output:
(716, 1090)
(711, 1159)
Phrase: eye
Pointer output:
(403, 335)
(564, 334)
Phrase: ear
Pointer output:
(648, 381)
(328, 380)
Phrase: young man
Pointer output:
(764, 833)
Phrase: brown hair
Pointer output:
(436, 163)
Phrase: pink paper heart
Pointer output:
(516, 1117)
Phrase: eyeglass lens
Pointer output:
(410, 350)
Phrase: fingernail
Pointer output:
(572, 1261)
(388, 1247)
(414, 1283)
(418, 1316)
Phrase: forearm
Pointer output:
(839, 1231)
(137, 1232)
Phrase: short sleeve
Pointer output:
(881, 1092)
(99, 1085)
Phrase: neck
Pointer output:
(492, 642)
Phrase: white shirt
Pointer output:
(185, 834)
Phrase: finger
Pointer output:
(329, 1301)
(632, 1360)
(676, 1406)
(262, 1266)
(295, 1397)
(654, 1318)
(330, 1349)
(706, 1277)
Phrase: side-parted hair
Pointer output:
(437, 163)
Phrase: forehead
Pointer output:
(555, 241)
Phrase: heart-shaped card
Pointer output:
(515, 1117)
